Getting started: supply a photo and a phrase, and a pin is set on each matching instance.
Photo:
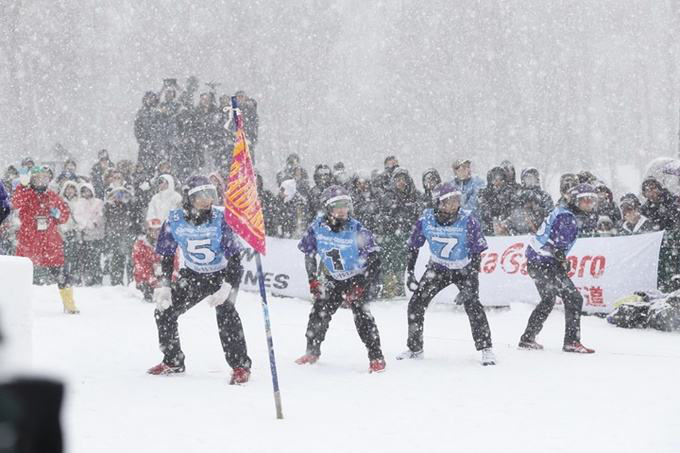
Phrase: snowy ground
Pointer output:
(622, 399)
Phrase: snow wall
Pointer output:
(16, 292)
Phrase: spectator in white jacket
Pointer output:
(88, 213)
(165, 200)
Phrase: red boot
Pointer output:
(307, 359)
(577, 347)
(163, 369)
(376, 366)
(239, 376)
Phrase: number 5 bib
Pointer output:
(201, 245)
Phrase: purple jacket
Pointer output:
(563, 233)
(4, 203)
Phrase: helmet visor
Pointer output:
(340, 204)
(203, 193)
(340, 201)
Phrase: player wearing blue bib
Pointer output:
(350, 265)
(456, 243)
(211, 270)
(548, 266)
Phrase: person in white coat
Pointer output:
(165, 200)
(88, 213)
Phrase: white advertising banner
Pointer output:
(604, 270)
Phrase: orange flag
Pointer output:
(243, 211)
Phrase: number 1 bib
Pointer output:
(339, 251)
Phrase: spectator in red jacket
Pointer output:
(146, 262)
(41, 211)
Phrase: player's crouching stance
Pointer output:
(212, 270)
(548, 267)
(456, 243)
(350, 264)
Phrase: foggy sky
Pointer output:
(560, 85)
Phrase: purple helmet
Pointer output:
(335, 196)
(445, 190)
(198, 186)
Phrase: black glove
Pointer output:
(476, 262)
(411, 282)
(562, 260)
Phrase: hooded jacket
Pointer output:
(70, 224)
(400, 209)
(546, 200)
(89, 215)
(664, 212)
(495, 204)
(607, 207)
(164, 201)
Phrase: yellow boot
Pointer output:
(67, 299)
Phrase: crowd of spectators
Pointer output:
(117, 208)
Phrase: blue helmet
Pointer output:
(445, 190)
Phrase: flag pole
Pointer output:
(270, 341)
(243, 213)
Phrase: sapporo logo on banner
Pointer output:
(513, 261)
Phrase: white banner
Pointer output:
(604, 270)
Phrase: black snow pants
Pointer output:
(325, 307)
(187, 291)
(434, 280)
(551, 281)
